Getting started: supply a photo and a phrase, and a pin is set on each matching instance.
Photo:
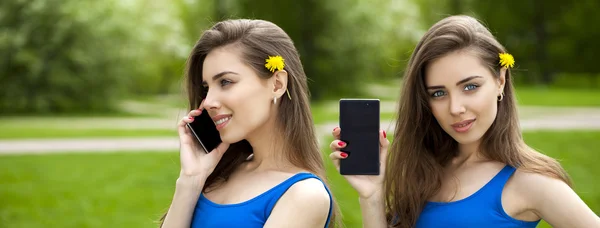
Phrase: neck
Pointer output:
(467, 153)
(267, 147)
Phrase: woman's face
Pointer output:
(238, 100)
(463, 95)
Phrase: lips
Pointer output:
(221, 121)
(463, 126)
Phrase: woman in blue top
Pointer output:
(458, 158)
(268, 172)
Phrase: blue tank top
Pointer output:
(482, 209)
(251, 213)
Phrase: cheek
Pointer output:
(252, 108)
(486, 108)
(438, 109)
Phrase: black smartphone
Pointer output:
(359, 123)
(205, 131)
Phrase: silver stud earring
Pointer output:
(274, 100)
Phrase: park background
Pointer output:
(90, 91)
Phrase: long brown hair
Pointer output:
(257, 40)
(421, 148)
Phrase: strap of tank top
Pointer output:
(498, 183)
(283, 187)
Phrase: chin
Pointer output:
(466, 139)
(231, 138)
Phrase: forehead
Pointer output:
(220, 60)
(453, 67)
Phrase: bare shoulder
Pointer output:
(311, 192)
(305, 204)
(538, 185)
(553, 200)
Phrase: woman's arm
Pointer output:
(555, 202)
(196, 165)
(373, 211)
(187, 192)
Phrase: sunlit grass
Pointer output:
(133, 189)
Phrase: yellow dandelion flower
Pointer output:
(275, 62)
(507, 60)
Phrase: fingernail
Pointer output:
(340, 143)
(191, 118)
(335, 128)
(344, 155)
(384, 135)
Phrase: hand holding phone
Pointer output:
(205, 131)
(359, 123)
(366, 185)
(201, 148)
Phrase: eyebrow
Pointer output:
(219, 75)
(458, 83)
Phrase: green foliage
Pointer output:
(549, 39)
(341, 44)
(81, 56)
(54, 59)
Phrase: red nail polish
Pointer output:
(191, 118)
(335, 128)
(344, 155)
(384, 135)
(340, 143)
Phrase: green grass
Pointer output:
(134, 189)
(558, 97)
(82, 127)
(45, 133)
(86, 190)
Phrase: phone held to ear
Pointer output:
(205, 131)
(359, 123)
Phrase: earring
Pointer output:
(501, 96)
(274, 100)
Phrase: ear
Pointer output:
(279, 80)
(502, 79)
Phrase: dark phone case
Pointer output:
(359, 123)
(204, 130)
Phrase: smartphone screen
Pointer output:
(205, 131)
(359, 123)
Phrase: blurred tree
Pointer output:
(56, 58)
(551, 40)
(342, 44)
(306, 22)
(84, 56)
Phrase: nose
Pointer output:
(457, 106)
(211, 101)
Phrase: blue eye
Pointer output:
(471, 87)
(225, 82)
(438, 93)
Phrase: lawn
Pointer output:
(82, 127)
(133, 189)
(45, 133)
(558, 97)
